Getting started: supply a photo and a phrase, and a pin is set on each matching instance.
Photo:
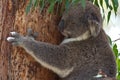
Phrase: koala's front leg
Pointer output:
(50, 56)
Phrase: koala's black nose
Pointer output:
(61, 25)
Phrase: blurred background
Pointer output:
(113, 27)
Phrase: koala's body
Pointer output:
(82, 54)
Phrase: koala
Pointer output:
(84, 51)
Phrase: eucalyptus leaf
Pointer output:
(115, 50)
(115, 5)
(96, 3)
(101, 3)
(109, 39)
(51, 7)
(108, 16)
(42, 4)
(28, 7)
(118, 68)
(83, 3)
(110, 7)
(92, 1)
(67, 4)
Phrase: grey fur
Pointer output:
(79, 58)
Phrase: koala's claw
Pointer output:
(10, 39)
(14, 34)
(35, 34)
(30, 33)
(15, 38)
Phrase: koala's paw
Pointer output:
(18, 40)
(15, 38)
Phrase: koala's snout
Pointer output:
(61, 26)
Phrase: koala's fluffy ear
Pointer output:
(94, 27)
(94, 20)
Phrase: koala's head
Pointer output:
(78, 20)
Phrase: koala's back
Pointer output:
(90, 56)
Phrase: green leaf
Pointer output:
(110, 41)
(59, 1)
(110, 7)
(83, 2)
(118, 63)
(108, 16)
(49, 1)
(51, 7)
(118, 76)
(115, 50)
(118, 68)
(35, 3)
(101, 3)
(42, 4)
(96, 3)
(92, 1)
(67, 4)
(28, 7)
(75, 1)
(115, 5)
(107, 3)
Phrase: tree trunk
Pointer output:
(15, 63)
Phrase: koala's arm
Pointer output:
(53, 57)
